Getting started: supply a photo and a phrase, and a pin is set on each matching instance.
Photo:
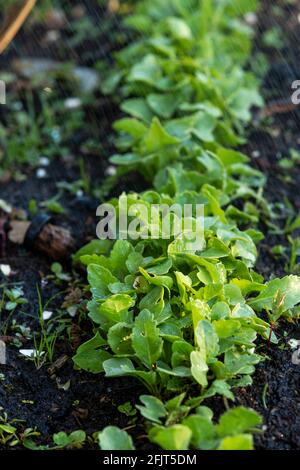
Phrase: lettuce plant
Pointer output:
(197, 431)
(185, 323)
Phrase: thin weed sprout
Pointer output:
(11, 299)
(9, 433)
(45, 340)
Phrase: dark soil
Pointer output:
(28, 394)
(91, 402)
(268, 143)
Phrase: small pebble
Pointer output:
(31, 353)
(255, 154)
(47, 315)
(72, 310)
(111, 170)
(52, 36)
(44, 282)
(251, 18)
(41, 173)
(5, 269)
(5, 207)
(55, 135)
(79, 193)
(275, 132)
(294, 343)
(44, 161)
(72, 103)
(2, 353)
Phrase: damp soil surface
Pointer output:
(60, 398)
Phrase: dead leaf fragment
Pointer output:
(61, 361)
(18, 231)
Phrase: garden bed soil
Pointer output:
(91, 401)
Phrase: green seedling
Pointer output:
(53, 205)
(127, 409)
(11, 299)
(59, 273)
(10, 435)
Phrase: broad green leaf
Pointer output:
(157, 137)
(164, 281)
(119, 339)
(160, 268)
(96, 342)
(238, 442)
(240, 363)
(243, 311)
(95, 247)
(220, 310)
(90, 357)
(138, 108)
(219, 387)
(175, 403)
(199, 367)
(179, 29)
(215, 249)
(7, 428)
(175, 437)
(111, 82)
(204, 127)
(154, 301)
(115, 308)
(75, 439)
(132, 127)
(204, 435)
(238, 420)
(226, 328)
(181, 351)
(126, 159)
(147, 71)
(289, 287)
(153, 408)
(146, 341)
(179, 371)
(163, 105)
(114, 438)
(200, 311)
(119, 367)
(233, 294)
(184, 284)
(99, 279)
(207, 339)
(214, 204)
(134, 262)
(242, 100)
(230, 157)
(118, 257)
